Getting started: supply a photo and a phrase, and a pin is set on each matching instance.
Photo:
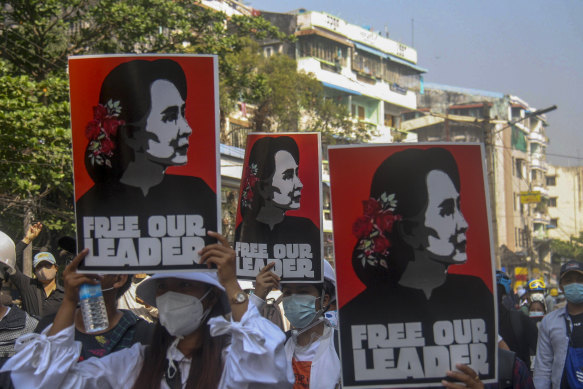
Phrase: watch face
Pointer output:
(240, 297)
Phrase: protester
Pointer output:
(311, 345)
(190, 345)
(519, 333)
(32, 232)
(125, 328)
(14, 322)
(133, 303)
(535, 286)
(42, 295)
(537, 308)
(560, 339)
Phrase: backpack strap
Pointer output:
(506, 359)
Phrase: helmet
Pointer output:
(504, 280)
(7, 251)
(554, 292)
(537, 285)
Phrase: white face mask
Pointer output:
(181, 314)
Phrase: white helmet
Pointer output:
(7, 251)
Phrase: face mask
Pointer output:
(181, 314)
(45, 274)
(332, 318)
(300, 309)
(536, 314)
(574, 293)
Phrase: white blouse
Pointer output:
(254, 359)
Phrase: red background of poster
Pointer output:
(351, 172)
(309, 173)
(85, 77)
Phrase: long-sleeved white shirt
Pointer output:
(254, 359)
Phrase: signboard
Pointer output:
(145, 154)
(529, 197)
(279, 217)
(414, 263)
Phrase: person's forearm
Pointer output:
(65, 317)
(237, 310)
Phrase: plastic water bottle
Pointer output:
(93, 308)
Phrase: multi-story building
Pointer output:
(515, 146)
(376, 78)
(565, 201)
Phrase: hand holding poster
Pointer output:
(279, 213)
(413, 262)
(146, 172)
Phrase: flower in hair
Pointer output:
(374, 228)
(250, 181)
(101, 132)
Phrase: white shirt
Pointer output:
(254, 359)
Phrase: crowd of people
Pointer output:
(207, 330)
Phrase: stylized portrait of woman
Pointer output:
(412, 231)
(139, 129)
(271, 187)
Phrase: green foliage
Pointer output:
(35, 152)
(563, 250)
(296, 101)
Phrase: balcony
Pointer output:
(538, 138)
(541, 218)
(538, 163)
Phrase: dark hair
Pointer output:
(124, 288)
(403, 174)
(206, 365)
(129, 84)
(262, 155)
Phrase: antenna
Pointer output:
(412, 32)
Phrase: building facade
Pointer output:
(376, 78)
(565, 201)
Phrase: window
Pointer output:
(552, 202)
(325, 49)
(389, 121)
(551, 180)
(519, 165)
(367, 63)
(555, 221)
(358, 111)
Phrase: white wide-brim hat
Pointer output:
(146, 290)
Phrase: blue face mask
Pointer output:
(574, 293)
(300, 309)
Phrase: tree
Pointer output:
(571, 250)
(296, 101)
(35, 152)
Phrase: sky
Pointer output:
(530, 49)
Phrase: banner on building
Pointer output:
(414, 263)
(530, 197)
(145, 154)
(279, 216)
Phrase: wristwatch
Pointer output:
(239, 298)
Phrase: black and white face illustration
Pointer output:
(444, 222)
(286, 183)
(166, 125)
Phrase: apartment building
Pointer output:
(565, 201)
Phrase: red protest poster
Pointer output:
(280, 207)
(145, 153)
(414, 263)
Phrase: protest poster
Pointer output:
(279, 215)
(414, 263)
(145, 154)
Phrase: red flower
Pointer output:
(99, 112)
(107, 146)
(252, 180)
(92, 130)
(110, 126)
(381, 244)
(250, 196)
(362, 227)
(385, 221)
(370, 207)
